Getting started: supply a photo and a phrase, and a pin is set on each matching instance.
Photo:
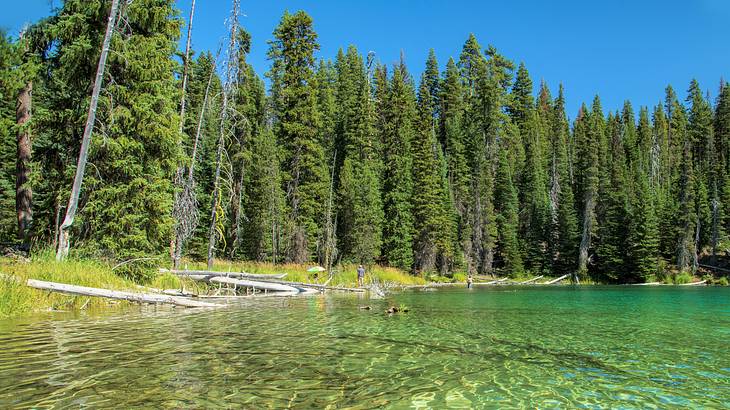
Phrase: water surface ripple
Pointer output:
(506, 347)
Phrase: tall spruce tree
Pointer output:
(360, 213)
(432, 207)
(128, 209)
(566, 236)
(397, 173)
(509, 254)
(305, 174)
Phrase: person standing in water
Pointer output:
(469, 281)
(360, 275)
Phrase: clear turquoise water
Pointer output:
(506, 347)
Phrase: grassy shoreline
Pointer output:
(17, 299)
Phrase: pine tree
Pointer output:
(506, 208)
(265, 200)
(360, 215)
(643, 236)
(453, 136)
(71, 51)
(433, 83)
(587, 181)
(721, 130)
(432, 207)
(8, 94)
(707, 196)
(614, 205)
(566, 236)
(129, 206)
(535, 203)
(296, 127)
(397, 175)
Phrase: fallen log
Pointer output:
(494, 282)
(530, 280)
(312, 285)
(224, 274)
(245, 283)
(693, 283)
(556, 280)
(646, 284)
(115, 294)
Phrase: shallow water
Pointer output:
(505, 347)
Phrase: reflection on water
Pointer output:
(503, 348)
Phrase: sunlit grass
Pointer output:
(16, 298)
(344, 275)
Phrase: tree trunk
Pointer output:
(177, 240)
(23, 192)
(585, 242)
(212, 234)
(73, 201)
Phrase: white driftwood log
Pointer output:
(313, 285)
(245, 283)
(694, 283)
(225, 274)
(115, 294)
(556, 280)
(530, 280)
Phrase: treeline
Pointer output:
(348, 159)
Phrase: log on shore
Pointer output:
(551, 282)
(530, 280)
(115, 294)
(225, 274)
(494, 282)
(312, 285)
(647, 284)
(694, 283)
(276, 287)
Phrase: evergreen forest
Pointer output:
(470, 166)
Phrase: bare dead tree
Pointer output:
(185, 204)
(63, 238)
(231, 74)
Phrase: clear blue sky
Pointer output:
(615, 48)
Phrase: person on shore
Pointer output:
(360, 275)
(469, 281)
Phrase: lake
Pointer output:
(498, 347)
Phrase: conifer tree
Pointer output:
(643, 237)
(588, 130)
(506, 209)
(432, 207)
(8, 94)
(614, 205)
(453, 136)
(128, 210)
(707, 196)
(433, 82)
(566, 235)
(721, 131)
(297, 124)
(360, 207)
(397, 175)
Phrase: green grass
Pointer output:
(16, 298)
(345, 275)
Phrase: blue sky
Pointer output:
(615, 48)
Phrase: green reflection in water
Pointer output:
(550, 347)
